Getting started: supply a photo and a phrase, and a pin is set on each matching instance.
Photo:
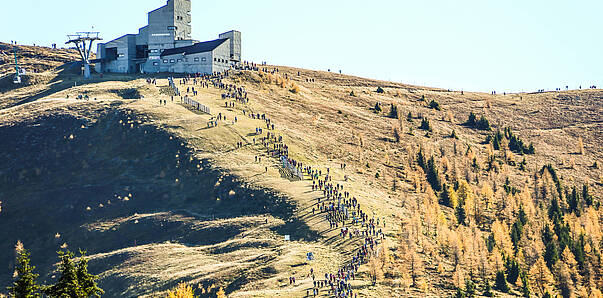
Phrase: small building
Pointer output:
(165, 45)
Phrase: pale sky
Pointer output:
(479, 45)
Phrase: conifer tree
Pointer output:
(488, 290)
(75, 281)
(501, 282)
(25, 285)
(525, 285)
(393, 111)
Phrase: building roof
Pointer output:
(200, 47)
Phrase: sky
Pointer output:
(472, 45)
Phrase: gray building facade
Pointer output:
(165, 45)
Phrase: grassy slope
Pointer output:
(322, 125)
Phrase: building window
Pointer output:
(196, 59)
(172, 60)
(172, 28)
(179, 60)
(120, 55)
(215, 59)
(165, 61)
(203, 59)
(154, 51)
(185, 59)
(155, 63)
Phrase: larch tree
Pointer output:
(572, 266)
(541, 276)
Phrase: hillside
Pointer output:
(158, 197)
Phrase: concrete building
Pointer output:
(165, 45)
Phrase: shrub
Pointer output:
(434, 105)
(378, 107)
(380, 90)
(294, 88)
(409, 117)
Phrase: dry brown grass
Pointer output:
(321, 137)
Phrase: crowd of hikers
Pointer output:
(339, 208)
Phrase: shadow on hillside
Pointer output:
(117, 183)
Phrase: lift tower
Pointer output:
(83, 42)
(17, 78)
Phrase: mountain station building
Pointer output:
(165, 45)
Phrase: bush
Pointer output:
(378, 108)
(380, 90)
(434, 105)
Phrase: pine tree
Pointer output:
(501, 282)
(425, 125)
(513, 270)
(460, 214)
(67, 284)
(551, 254)
(525, 285)
(488, 290)
(472, 120)
(469, 289)
(378, 107)
(87, 281)
(393, 111)
(75, 281)
(25, 285)
(433, 177)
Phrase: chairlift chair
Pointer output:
(17, 80)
